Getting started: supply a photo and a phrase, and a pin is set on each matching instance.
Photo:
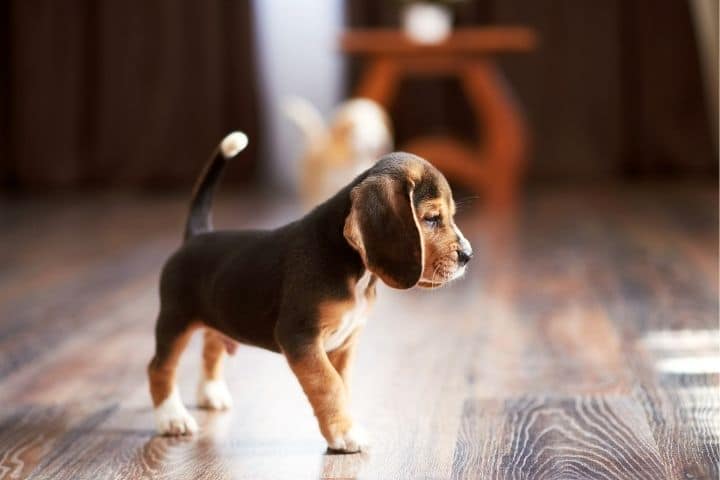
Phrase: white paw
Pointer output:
(172, 418)
(355, 440)
(214, 394)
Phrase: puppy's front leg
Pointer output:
(342, 358)
(326, 392)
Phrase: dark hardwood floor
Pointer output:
(582, 344)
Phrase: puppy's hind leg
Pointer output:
(171, 337)
(213, 392)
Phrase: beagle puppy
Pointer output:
(303, 289)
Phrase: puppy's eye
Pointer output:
(433, 220)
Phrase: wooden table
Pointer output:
(493, 168)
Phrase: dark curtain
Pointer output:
(122, 93)
(614, 88)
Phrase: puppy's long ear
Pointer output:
(383, 228)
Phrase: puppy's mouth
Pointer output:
(428, 284)
(441, 276)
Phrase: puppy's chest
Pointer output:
(350, 315)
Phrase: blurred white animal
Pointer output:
(357, 136)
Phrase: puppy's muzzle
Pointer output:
(464, 251)
(464, 256)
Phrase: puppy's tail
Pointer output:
(199, 218)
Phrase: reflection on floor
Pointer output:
(583, 343)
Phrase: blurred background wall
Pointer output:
(132, 94)
(98, 93)
(297, 57)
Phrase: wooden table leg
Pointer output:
(379, 81)
(502, 126)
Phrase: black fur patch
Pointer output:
(427, 189)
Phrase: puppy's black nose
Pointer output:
(464, 257)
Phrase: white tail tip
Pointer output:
(233, 144)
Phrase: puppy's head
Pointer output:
(401, 223)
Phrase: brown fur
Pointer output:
(163, 366)
(324, 388)
(441, 243)
(330, 315)
(213, 354)
(342, 357)
(379, 204)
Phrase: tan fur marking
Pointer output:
(414, 171)
(342, 358)
(162, 371)
(423, 240)
(351, 229)
(428, 206)
(344, 317)
(213, 354)
(323, 376)
(330, 315)
(442, 242)
(325, 390)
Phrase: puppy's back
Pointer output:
(208, 279)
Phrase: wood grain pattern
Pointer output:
(583, 344)
(558, 437)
